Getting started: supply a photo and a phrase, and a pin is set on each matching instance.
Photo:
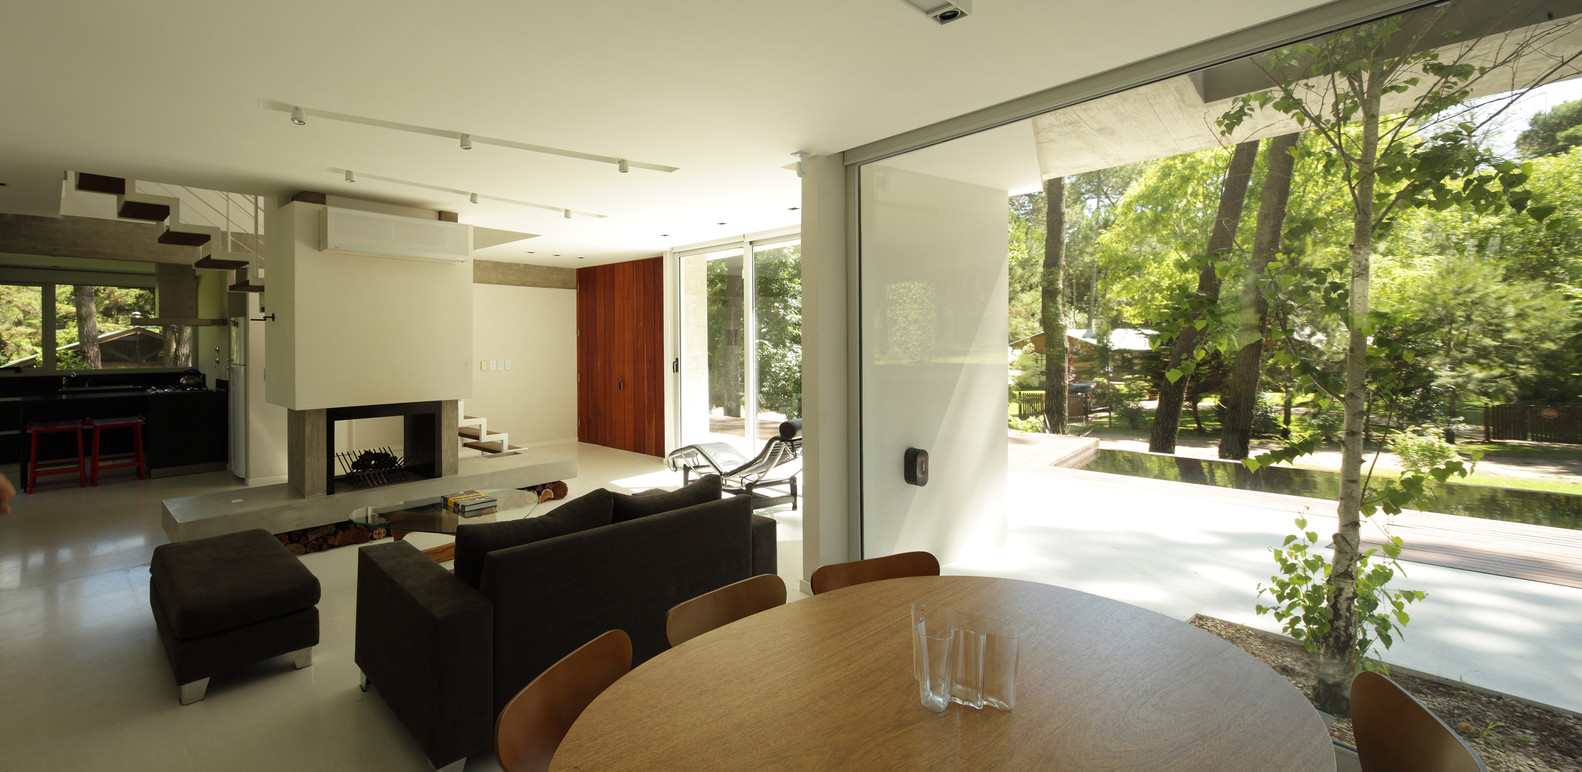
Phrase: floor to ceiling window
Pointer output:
(740, 340)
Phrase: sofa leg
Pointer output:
(365, 683)
(302, 657)
(455, 766)
(194, 691)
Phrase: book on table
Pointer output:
(469, 502)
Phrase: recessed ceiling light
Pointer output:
(2, 184)
(664, 235)
(719, 223)
(580, 257)
(792, 208)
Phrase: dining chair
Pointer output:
(1396, 733)
(533, 723)
(838, 575)
(692, 618)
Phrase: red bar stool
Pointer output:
(37, 469)
(133, 459)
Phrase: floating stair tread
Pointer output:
(99, 183)
(489, 447)
(220, 264)
(143, 210)
(184, 238)
(243, 286)
(472, 433)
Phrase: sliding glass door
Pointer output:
(740, 341)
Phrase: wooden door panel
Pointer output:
(620, 355)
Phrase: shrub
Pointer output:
(1422, 448)
(1032, 424)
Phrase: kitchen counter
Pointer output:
(185, 431)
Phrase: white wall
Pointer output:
(536, 328)
(356, 330)
(934, 325)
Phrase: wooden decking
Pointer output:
(1029, 450)
(1517, 550)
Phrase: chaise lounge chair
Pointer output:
(769, 477)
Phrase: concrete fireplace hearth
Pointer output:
(429, 448)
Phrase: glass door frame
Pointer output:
(747, 243)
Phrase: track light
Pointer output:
(474, 198)
(622, 167)
(801, 163)
(297, 118)
(567, 214)
(350, 177)
(466, 144)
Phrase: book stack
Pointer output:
(471, 503)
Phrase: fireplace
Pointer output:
(428, 447)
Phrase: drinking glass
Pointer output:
(933, 638)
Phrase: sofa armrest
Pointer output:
(425, 641)
(765, 550)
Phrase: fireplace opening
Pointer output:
(420, 451)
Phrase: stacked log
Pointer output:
(324, 537)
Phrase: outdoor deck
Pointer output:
(1516, 550)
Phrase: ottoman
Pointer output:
(230, 600)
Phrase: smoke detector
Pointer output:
(942, 11)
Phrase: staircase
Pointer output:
(475, 434)
(212, 222)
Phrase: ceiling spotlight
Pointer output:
(296, 117)
(466, 144)
(942, 11)
(350, 177)
(474, 198)
(801, 162)
(622, 167)
(567, 213)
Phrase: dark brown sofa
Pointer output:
(447, 650)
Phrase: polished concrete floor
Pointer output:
(86, 685)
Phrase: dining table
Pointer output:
(827, 683)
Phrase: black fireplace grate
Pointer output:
(372, 468)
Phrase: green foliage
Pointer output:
(1552, 131)
(1299, 593)
(1030, 424)
(1126, 404)
(1421, 448)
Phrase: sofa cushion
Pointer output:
(473, 542)
(699, 491)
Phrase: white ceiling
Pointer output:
(725, 90)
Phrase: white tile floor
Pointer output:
(85, 684)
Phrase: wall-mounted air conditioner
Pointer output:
(354, 232)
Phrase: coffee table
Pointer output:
(428, 515)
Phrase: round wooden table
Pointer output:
(826, 683)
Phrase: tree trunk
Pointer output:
(87, 326)
(1337, 647)
(1167, 417)
(1241, 393)
(178, 346)
(1053, 311)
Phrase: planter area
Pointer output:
(1507, 733)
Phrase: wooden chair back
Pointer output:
(692, 618)
(1396, 733)
(838, 575)
(533, 723)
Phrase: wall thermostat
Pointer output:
(916, 471)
